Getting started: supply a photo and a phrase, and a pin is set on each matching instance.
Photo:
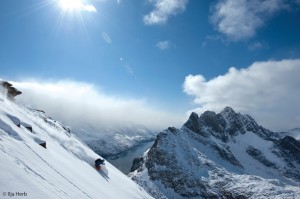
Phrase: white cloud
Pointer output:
(163, 9)
(240, 19)
(269, 91)
(80, 104)
(89, 8)
(163, 45)
(106, 38)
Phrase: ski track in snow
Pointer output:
(57, 172)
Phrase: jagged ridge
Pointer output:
(224, 155)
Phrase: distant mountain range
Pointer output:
(224, 155)
(114, 140)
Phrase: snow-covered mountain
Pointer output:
(224, 155)
(41, 158)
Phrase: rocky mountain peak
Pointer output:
(194, 116)
(225, 124)
(228, 111)
(222, 125)
(220, 155)
(193, 123)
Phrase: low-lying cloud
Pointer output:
(80, 104)
(269, 91)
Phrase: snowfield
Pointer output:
(64, 169)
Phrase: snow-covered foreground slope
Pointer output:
(62, 170)
(225, 155)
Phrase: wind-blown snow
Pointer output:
(295, 133)
(62, 170)
(97, 118)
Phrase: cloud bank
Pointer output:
(269, 91)
(163, 9)
(240, 19)
(79, 104)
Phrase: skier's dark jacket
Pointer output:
(98, 162)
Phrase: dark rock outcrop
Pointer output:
(137, 163)
(195, 125)
(291, 146)
(11, 91)
(258, 155)
(227, 155)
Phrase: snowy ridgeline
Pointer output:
(225, 155)
(294, 133)
(41, 159)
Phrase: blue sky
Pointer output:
(146, 49)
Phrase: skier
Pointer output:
(98, 162)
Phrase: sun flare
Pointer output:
(71, 4)
(76, 5)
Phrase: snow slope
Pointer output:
(62, 170)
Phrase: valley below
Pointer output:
(123, 161)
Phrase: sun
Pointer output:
(71, 4)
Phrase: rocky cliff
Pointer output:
(224, 155)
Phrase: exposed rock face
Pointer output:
(195, 125)
(258, 155)
(137, 163)
(224, 155)
(11, 91)
(291, 146)
(226, 124)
